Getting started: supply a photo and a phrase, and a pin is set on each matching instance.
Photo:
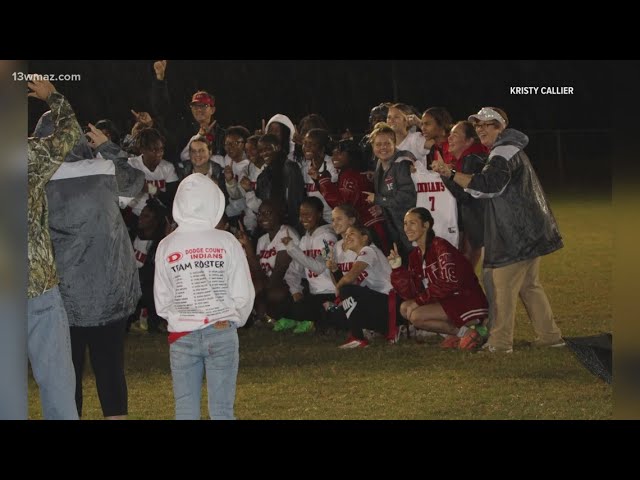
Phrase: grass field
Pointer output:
(283, 376)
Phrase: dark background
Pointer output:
(570, 134)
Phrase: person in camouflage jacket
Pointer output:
(48, 341)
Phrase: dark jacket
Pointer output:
(98, 275)
(471, 211)
(291, 194)
(518, 222)
(396, 194)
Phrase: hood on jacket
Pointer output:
(513, 137)
(283, 119)
(198, 202)
(81, 150)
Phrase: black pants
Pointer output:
(311, 308)
(366, 308)
(106, 351)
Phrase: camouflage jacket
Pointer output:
(45, 156)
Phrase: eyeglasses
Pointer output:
(233, 142)
(479, 125)
(199, 106)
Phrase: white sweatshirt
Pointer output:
(307, 260)
(312, 188)
(201, 275)
(163, 174)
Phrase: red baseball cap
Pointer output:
(203, 97)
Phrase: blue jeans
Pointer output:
(49, 347)
(216, 352)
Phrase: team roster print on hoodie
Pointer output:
(202, 275)
(199, 272)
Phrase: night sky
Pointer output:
(343, 91)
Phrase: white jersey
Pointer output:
(250, 215)
(253, 173)
(163, 174)
(414, 142)
(239, 169)
(377, 275)
(344, 258)
(310, 184)
(267, 249)
(141, 249)
(313, 246)
(434, 196)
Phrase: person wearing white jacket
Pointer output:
(203, 289)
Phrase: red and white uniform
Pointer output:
(239, 169)
(433, 195)
(140, 249)
(308, 261)
(268, 249)
(163, 174)
(445, 276)
(310, 184)
(241, 201)
(348, 189)
(377, 275)
(344, 258)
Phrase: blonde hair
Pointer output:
(380, 129)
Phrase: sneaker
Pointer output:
(353, 342)
(284, 324)
(472, 339)
(369, 335)
(137, 327)
(406, 332)
(553, 344)
(487, 348)
(392, 340)
(422, 335)
(304, 327)
(452, 341)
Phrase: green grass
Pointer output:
(283, 376)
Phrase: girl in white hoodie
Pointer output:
(203, 289)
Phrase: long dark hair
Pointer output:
(425, 216)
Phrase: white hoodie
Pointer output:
(283, 119)
(202, 275)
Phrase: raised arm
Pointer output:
(50, 151)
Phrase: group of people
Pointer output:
(286, 226)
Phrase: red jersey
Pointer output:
(349, 188)
(443, 275)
